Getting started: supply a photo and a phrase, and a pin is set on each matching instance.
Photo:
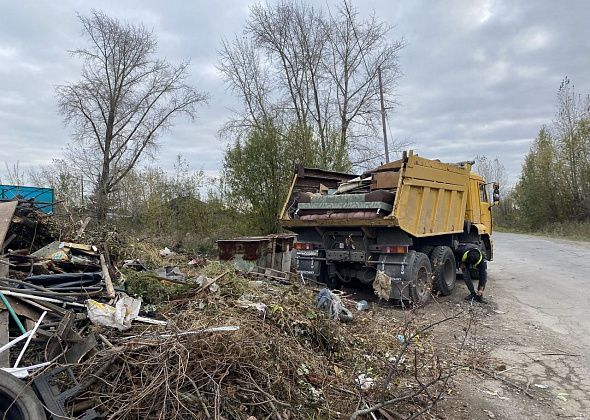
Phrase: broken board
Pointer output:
(6, 212)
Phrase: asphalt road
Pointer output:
(539, 293)
(549, 277)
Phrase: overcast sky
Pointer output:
(480, 77)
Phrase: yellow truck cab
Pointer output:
(396, 227)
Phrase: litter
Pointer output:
(135, 264)
(203, 281)
(120, 316)
(23, 372)
(170, 273)
(166, 252)
(14, 342)
(362, 305)
(330, 303)
(365, 381)
(29, 338)
(382, 285)
(245, 302)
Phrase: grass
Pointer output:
(577, 231)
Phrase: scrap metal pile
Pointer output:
(161, 334)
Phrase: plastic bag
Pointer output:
(120, 316)
(329, 302)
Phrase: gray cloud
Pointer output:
(480, 77)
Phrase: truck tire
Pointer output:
(444, 270)
(18, 400)
(421, 280)
(427, 249)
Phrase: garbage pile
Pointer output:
(167, 334)
(29, 228)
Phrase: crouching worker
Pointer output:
(471, 256)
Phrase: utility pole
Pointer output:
(383, 116)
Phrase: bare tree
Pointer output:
(573, 112)
(14, 174)
(61, 176)
(125, 98)
(492, 170)
(243, 69)
(358, 50)
(318, 71)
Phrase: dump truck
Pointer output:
(396, 227)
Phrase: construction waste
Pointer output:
(167, 334)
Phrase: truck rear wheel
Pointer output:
(444, 271)
(421, 280)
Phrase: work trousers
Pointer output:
(482, 269)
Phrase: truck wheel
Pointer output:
(17, 400)
(427, 249)
(444, 271)
(421, 280)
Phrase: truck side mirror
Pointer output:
(496, 194)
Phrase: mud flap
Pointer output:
(393, 279)
(307, 263)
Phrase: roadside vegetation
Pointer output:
(552, 196)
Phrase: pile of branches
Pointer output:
(262, 349)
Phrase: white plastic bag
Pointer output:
(120, 316)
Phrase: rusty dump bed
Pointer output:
(423, 197)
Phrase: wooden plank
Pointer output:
(388, 166)
(4, 356)
(6, 212)
(107, 278)
(83, 227)
(284, 215)
(385, 180)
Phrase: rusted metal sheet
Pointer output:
(310, 179)
(271, 251)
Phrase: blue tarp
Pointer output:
(41, 197)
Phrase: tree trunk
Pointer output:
(101, 200)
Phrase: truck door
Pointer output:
(485, 207)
